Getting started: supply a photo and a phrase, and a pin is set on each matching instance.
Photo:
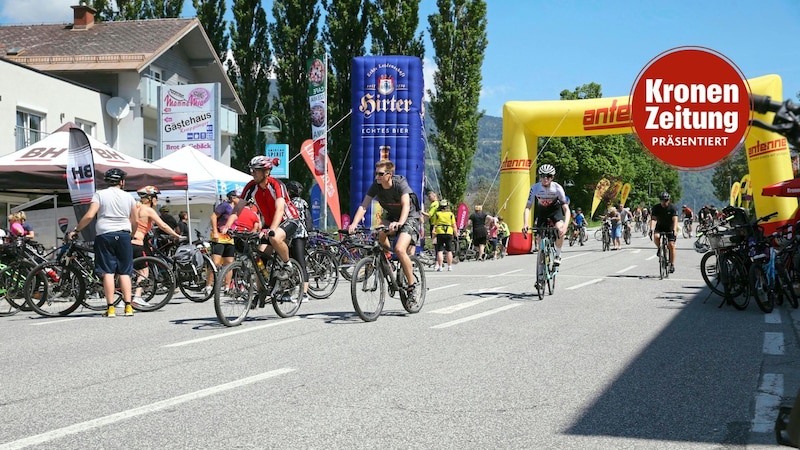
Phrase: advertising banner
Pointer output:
(80, 177)
(280, 151)
(331, 197)
(387, 122)
(599, 190)
(188, 115)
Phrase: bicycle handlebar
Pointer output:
(787, 116)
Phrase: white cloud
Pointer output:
(36, 11)
(428, 69)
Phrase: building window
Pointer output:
(86, 126)
(156, 74)
(30, 128)
(150, 154)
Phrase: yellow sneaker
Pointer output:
(128, 310)
(110, 312)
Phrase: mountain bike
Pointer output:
(626, 233)
(249, 282)
(191, 265)
(606, 235)
(377, 274)
(546, 268)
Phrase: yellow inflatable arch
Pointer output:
(524, 122)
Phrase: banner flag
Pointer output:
(462, 216)
(602, 187)
(746, 191)
(626, 190)
(331, 192)
(80, 177)
(736, 194)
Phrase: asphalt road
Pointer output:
(615, 358)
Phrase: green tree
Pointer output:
(294, 34)
(729, 171)
(211, 14)
(393, 24)
(344, 34)
(159, 9)
(458, 34)
(136, 9)
(249, 71)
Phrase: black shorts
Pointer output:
(224, 250)
(479, 239)
(671, 236)
(444, 242)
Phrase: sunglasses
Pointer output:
(546, 176)
(380, 174)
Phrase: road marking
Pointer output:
(585, 283)
(773, 343)
(48, 322)
(231, 333)
(626, 269)
(476, 316)
(564, 258)
(442, 287)
(637, 250)
(152, 407)
(506, 273)
(460, 306)
(773, 317)
(768, 399)
(652, 257)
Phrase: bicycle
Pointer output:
(546, 269)
(378, 273)
(663, 256)
(191, 265)
(14, 270)
(686, 230)
(626, 233)
(249, 282)
(323, 272)
(606, 235)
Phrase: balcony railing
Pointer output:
(25, 136)
(228, 119)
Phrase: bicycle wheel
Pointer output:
(598, 234)
(287, 293)
(53, 289)
(735, 280)
(154, 281)
(784, 278)
(192, 284)
(541, 273)
(368, 289)
(232, 299)
(606, 241)
(12, 282)
(626, 233)
(419, 279)
(551, 270)
(583, 235)
(759, 284)
(685, 231)
(323, 273)
(709, 270)
(572, 239)
(663, 262)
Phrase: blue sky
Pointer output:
(538, 48)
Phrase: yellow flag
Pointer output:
(736, 194)
(745, 191)
(602, 187)
(626, 189)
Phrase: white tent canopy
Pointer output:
(209, 179)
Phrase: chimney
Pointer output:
(84, 16)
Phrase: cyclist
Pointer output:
(444, 225)
(580, 223)
(664, 220)
(276, 208)
(704, 217)
(400, 214)
(625, 217)
(688, 215)
(551, 204)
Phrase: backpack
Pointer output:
(189, 258)
(412, 195)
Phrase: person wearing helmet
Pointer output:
(446, 232)
(300, 238)
(400, 215)
(688, 217)
(115, 210)
(222, 246)
(146, 215)
(551, 206)
(664, 220)
(277, 210)
(579, 223)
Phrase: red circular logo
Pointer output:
(690, 107)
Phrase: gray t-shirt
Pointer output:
(389, 199)
(115, 210)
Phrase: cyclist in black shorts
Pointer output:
(664, 219)
(551, 203)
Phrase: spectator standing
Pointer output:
(116, 216)
(222, 249)
(503, 234)
(183, 224)
(300, 238)
(23, 219)
(477, 221)
(446, 232)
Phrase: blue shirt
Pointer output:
(580, 220)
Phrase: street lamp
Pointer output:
(272, 125)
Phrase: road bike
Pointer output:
(546, 267)
(686, 230)
(663, 256)
(253, 279)
(377, 274)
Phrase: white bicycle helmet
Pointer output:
(262, 162)
(547, 169)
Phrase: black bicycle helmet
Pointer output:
(294, 188)
(663, 196)
(231, 194)
(114, 176)
(148, 191)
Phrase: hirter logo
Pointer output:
(385, 84)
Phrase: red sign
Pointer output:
(462, 215)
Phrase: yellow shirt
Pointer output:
(444, 222)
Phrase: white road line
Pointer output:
(773, 343)
(564, 258)
(442, 287)
(636, 250)
(585, 283)
(506, 273)
(773, 317)
(626, 269)
(460, 306)
(476, 316)
(49, 322)
(231, 333)
(768, 399)
(651, 257)
(152, 407)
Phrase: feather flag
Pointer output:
(80, 177)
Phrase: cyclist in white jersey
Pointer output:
(551, 203)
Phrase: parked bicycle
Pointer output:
(253, 279)
(191, 265)
(377, 274)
